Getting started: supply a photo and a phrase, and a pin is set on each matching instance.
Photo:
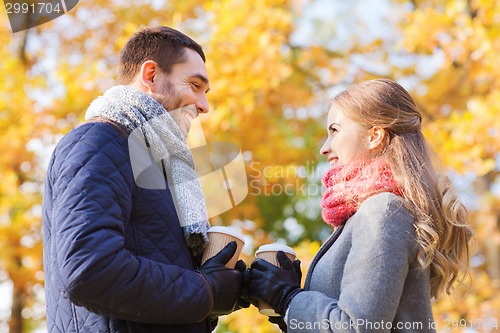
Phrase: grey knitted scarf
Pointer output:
(143, 116)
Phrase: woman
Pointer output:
(400, 231)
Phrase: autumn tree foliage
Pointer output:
(20, 235)
(269, 95)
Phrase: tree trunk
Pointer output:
(490, 218)
(18, 297)
(16, 318)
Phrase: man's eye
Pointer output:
(195, 85)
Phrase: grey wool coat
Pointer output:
(366, 276)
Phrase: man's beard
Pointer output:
(169, 97)
(170, 100)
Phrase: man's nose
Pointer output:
(202, 104)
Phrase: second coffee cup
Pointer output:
(268, 253)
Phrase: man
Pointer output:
(122, 240)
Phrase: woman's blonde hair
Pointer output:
(440, 216)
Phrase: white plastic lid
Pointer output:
(227, 230)
(275, 247)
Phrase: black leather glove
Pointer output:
(245, 298)
(275, 285)
(280, 321)
(225, 282)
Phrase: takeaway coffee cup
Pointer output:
(218, 237)
(268, 253)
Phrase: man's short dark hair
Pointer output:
(164, 45)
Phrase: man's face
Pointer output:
(186, 85)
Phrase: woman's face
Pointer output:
(347, 140)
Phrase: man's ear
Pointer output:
(377, 137)
(148, 74)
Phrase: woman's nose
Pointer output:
(326, 148)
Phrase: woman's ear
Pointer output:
(148, 72)
(377, 137)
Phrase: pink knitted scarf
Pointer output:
(348, 185)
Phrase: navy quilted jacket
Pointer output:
(114, 255)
